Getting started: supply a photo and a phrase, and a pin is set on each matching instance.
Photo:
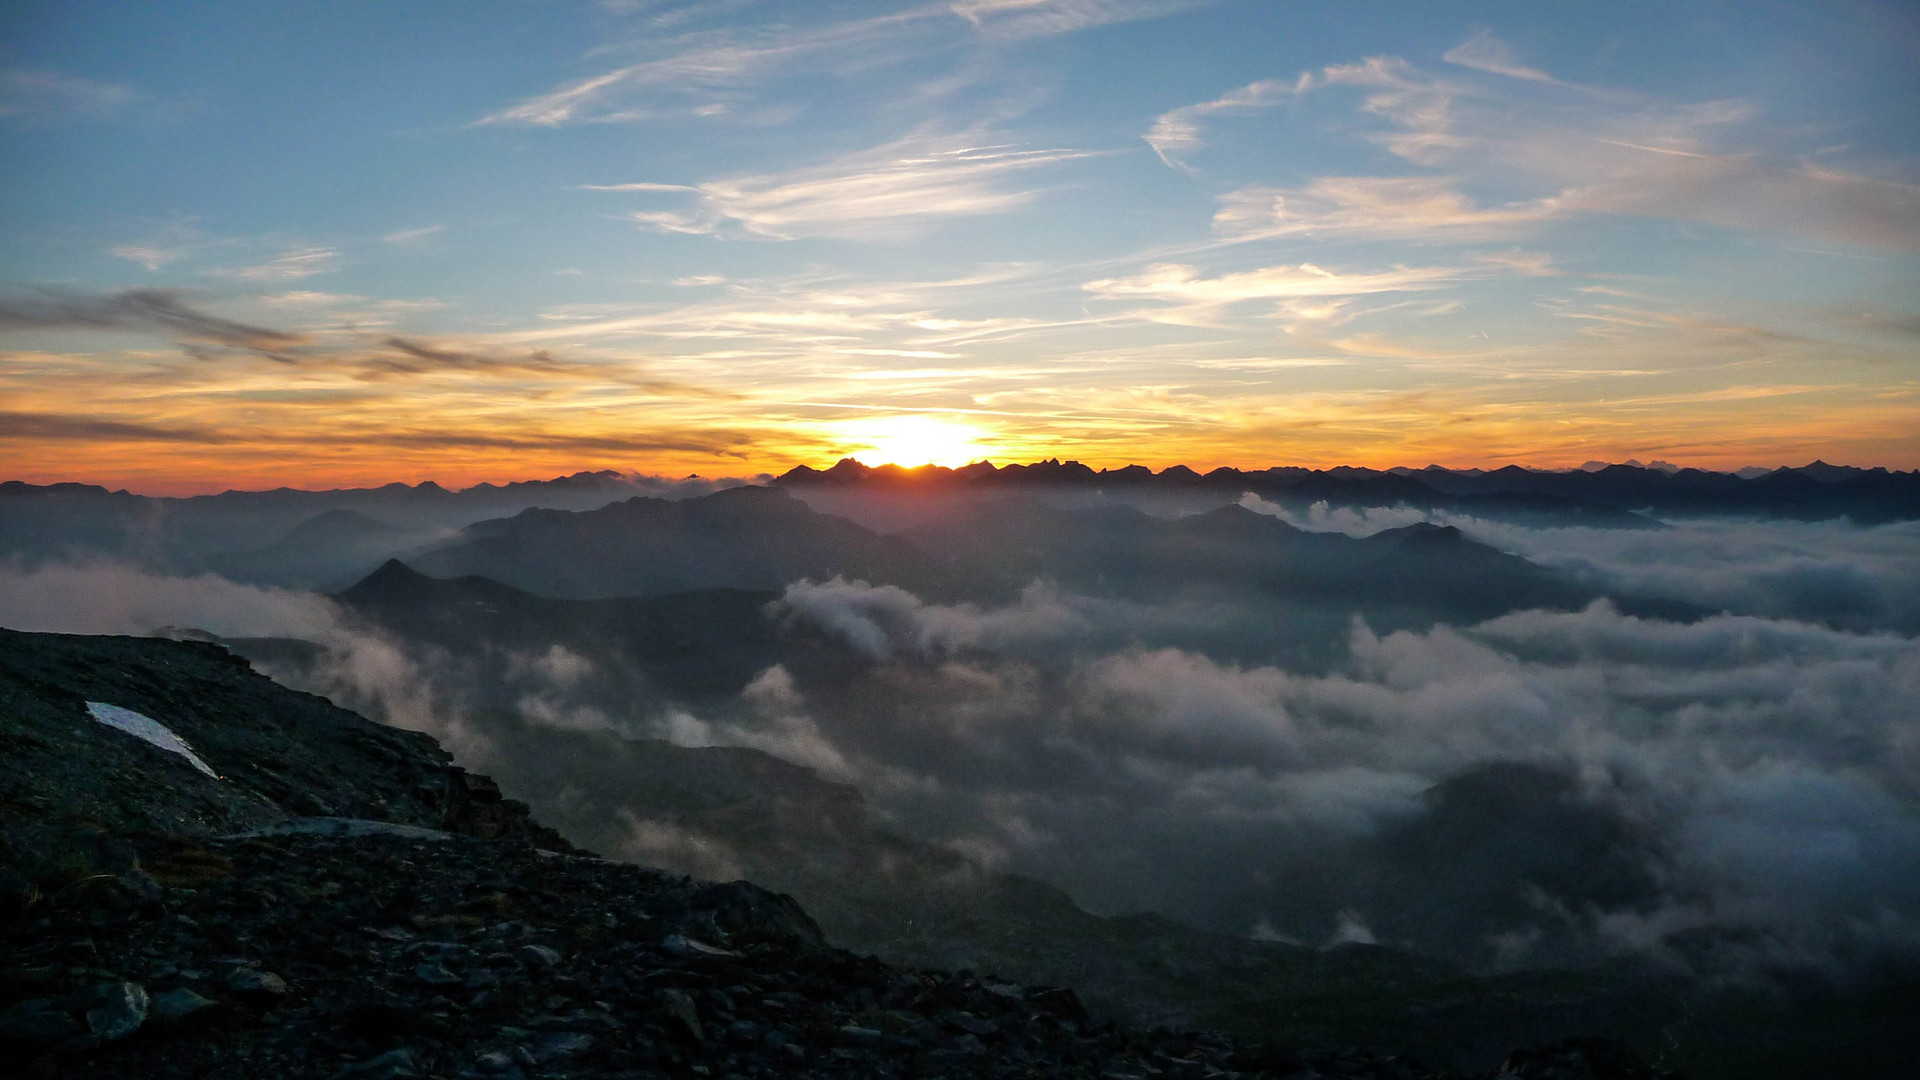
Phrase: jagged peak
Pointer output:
(390, 577)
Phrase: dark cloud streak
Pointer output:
(418, 358)
(140, 310)
(70, 428)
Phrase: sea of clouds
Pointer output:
(1733, 794)
(1737, 784)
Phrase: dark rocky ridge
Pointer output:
(163, 923)
(281, 754)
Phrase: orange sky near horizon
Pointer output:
(166, 468)
(1171, 232)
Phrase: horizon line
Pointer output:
(185, 491)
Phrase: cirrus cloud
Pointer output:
(891, 190)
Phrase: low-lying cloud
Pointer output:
(1857, 577)
(1728, 795)
(875, 619)
(1749, 781)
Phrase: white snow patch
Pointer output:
(147, 728)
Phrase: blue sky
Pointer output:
(247, 243)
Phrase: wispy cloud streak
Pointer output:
(1375, 206)
(888, 190)
(1177, 132)
(1195, 299)
(48, 96)
(1610, 153)
(709, 62)
(288, 266)
(1485, 52)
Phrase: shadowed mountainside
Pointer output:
(1123, 552)
(750, 538)
(326, 551)
(1281, 592)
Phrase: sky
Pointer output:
(245, 245)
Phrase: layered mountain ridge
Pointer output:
(329, 539)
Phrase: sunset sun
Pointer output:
(916, 440)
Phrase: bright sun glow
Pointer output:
(915, 440)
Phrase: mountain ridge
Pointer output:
(746, 537)
(1809, 492)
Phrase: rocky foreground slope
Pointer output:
(341, 901)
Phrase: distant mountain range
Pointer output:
(1293, 591)
(976, 533)
(1586, 496)
(286, 537)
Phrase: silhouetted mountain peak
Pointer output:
(1236, 519)
(746, 496)
(391, 579)
(339, 524)
(1425, 534)
(846, 469)
(18, 487)
(1828, 474)
(1051, 471)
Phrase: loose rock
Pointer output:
(249, 982)
(119, 1010)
